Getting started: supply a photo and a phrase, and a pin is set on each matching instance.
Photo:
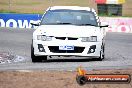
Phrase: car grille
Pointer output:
(70, 38)
(63, 38)
(55, 49)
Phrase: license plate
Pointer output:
(66, 47)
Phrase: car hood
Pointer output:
(67, 30)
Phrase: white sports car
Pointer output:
(68, 31)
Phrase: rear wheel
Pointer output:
(36, 58)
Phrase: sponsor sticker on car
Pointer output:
(67, 47)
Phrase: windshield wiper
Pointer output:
(86, 24)
(57, 23)
(63, 23)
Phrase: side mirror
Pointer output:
(104, 24)
(35, 23)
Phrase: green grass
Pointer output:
(39, 6)
(6, 11)
(29, 3)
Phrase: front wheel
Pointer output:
(36, 58)
(102, 54)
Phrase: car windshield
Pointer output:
(72, 17)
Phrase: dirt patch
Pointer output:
(54, 79)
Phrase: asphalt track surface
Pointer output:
(118, 53)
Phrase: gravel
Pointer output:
(10, 58)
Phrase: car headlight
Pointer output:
(89, 39)
(44, 38)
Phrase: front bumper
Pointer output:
(51, 48)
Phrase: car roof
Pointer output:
(71, 8)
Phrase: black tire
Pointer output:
(36, 58)
(101, 56)
(81, 80)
